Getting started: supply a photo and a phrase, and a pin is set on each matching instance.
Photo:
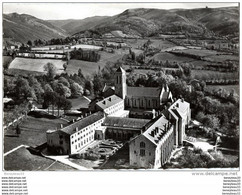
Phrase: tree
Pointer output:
(89, 85)
(18, 130)
(50, 70)
(48, 88)
(64, 66)
(76, 89)
(29, 43)
(64, 81)
(97, 84)
(22, 88)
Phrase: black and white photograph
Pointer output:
(120, 86)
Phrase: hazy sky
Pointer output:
(82, 10)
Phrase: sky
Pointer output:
(61, 11)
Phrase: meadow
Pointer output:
(36, 65)
(33, 132)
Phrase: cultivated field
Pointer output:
(161, 44)
(36, 65)
(208, 74)
(163, 56)
(88, 47)
(200, 52)
(89, 68)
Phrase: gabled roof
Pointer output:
(120, 69)
(109, 101)
(157, 130)
(70, 129)
(125, 122)
(143, 91)
(179, 108)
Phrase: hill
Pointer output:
(74, 26)
(23, 27)
(148, 22)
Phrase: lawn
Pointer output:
(33, 132)
(226, 87)
(88, 68)
(23, 160)
(36, 65)
(79, 102)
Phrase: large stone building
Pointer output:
(74, 137)
(153, 147)
(151, 141)
(140, 97)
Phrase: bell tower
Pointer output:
(120, 83)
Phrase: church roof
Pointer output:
(125, 122)
(143, 91)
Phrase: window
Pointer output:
(61, 142)
(142, 152)
(60, 136)
(135, 151)
(142, 144)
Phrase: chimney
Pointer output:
(177, 105)
(182, 100)
(109, 99)
(76, 129)
(104, 102)
(61, 126)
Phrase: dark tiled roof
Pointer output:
(109, 101)
(83, 123)
(143, 91)
(125, 122)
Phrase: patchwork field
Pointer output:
(36, 65)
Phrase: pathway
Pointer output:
(9, 152)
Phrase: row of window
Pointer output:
(98, 123)
(115, 108)
(142, 152)
(80, 138)
(140, 102)
(82, 143)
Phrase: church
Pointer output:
(145, 98)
